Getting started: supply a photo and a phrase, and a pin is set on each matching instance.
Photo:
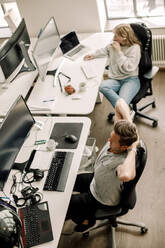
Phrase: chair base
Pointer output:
(141, 225)
(110, 116)
(137, 112)
(140, 114)
(111, 241)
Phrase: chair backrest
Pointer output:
(128, 196)
(144, 35)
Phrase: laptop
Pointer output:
(36, 224)
(71, 47)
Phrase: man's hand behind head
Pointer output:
(122, 111)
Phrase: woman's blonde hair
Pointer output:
(125, 31)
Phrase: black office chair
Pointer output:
(109, 215)
(146, 73)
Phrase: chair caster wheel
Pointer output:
(86, 235)
(155, 123)
(110, 116)
(144, 230)
(153, 105)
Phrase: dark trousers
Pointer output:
(82, 205)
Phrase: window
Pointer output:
(6, 7)
(5, 31)
(134, 8)
(3, 23)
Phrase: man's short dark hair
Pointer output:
(127, 132)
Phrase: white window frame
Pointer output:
(135, 13)
(5, 31)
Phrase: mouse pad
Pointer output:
(60, 130)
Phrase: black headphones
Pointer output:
(32, 175)
(29, 194)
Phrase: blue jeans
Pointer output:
(114, 89)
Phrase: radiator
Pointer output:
(158, 50)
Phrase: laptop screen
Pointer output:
(69, 41)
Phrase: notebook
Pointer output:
(71, 47)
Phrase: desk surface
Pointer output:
(20, 86)
(65, 104)
(57, 201)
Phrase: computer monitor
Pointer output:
(13, 132)
(13, 53)
(48, 41)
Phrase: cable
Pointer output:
(35, 175)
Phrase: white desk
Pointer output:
(20, 86)
(57, 201)
(64, 104)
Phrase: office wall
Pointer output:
(79, 15)
(101, 13)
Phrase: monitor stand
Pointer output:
(30, 66)
(20, 68)
(53, 72)
(25, 166)
(14, 74)
(19, 166)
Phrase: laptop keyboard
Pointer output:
(76, 50)
(36, 224)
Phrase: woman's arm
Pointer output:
(98, 53)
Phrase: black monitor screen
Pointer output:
(20, 33)
(10, 53)
(13, 132)
(45, 47)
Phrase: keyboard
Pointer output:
(58, 171)
(76, 50)
(36, 224)
(88, 69)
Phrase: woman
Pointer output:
(123, 56)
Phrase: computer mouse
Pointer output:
(71, 138)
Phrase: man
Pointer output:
(114, 165)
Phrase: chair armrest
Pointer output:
(151, 73)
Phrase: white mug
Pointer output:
(82, 86)
(51, 145)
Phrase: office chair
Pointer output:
(146, 74)
(109, 215)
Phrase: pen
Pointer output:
(50, 100)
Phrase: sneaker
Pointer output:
(82, 228)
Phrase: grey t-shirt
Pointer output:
(106, 186)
